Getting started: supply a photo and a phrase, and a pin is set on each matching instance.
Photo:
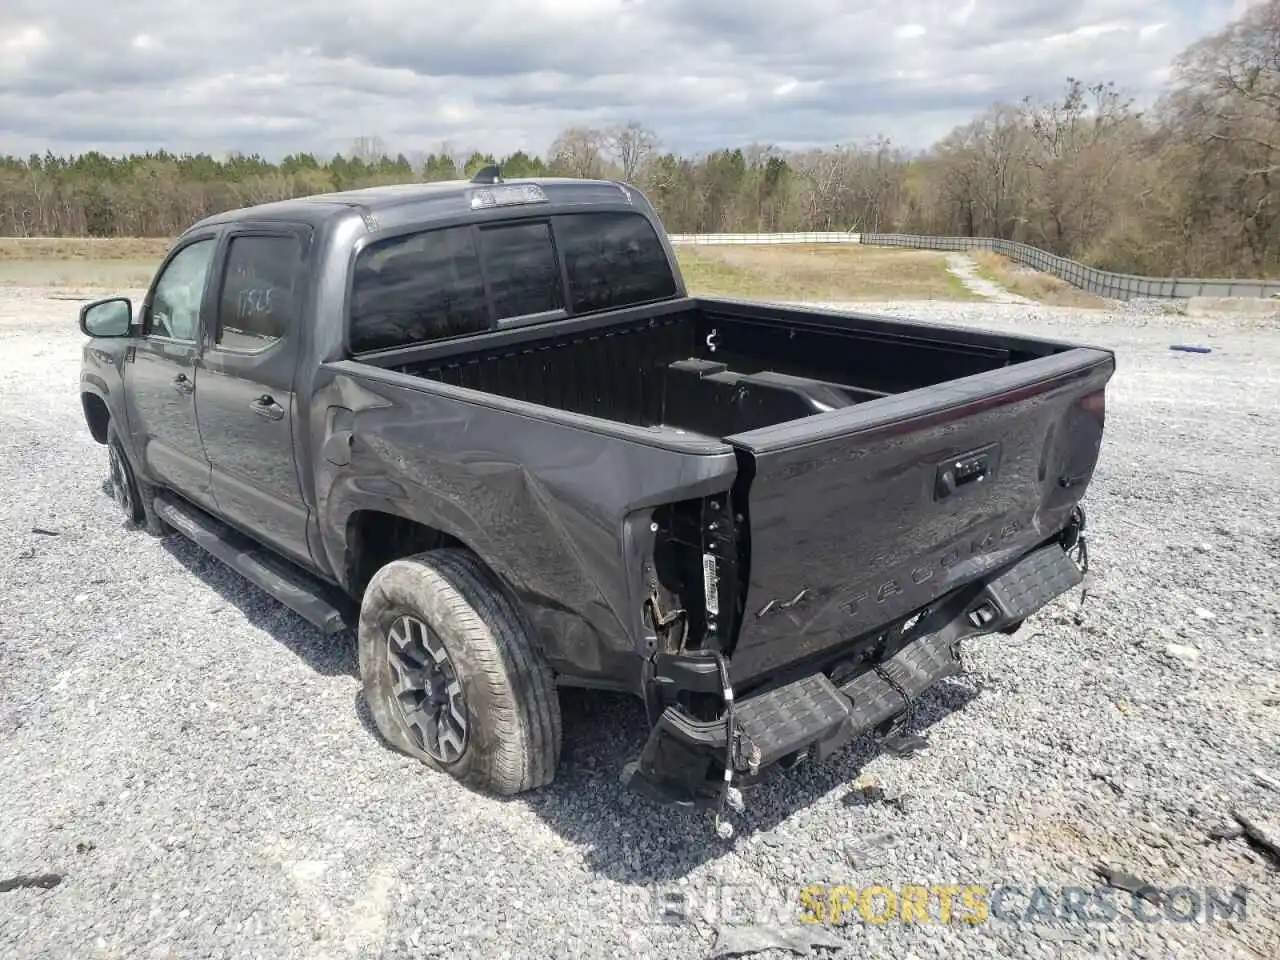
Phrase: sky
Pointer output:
(501, 75)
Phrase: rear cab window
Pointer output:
(520, 269)
(448, 282)
(612, 260)
(419, 288)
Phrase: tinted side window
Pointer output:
(413, 289)
(521, 270)
(258, 305)
(175, 305)
(613, 260)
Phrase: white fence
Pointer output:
(697, 239)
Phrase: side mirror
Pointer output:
(107, 318)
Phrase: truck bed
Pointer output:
(717, 367)
(881, 464)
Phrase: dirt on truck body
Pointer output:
(483, 423)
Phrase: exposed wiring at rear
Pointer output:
(723, 828)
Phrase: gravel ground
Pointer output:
(193, 762)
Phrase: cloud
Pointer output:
(502, 75)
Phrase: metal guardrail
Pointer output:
(1103, 283)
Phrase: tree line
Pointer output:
(1190, 186)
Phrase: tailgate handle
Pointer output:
(966, 471)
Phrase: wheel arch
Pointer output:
(579, 639)
(96, 415)
(373, 537)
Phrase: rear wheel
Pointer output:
(134, 496)
(452, 675)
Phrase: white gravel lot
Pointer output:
(193, 761)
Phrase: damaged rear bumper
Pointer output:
(684, 758)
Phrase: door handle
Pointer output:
(266, 406)
(183, 385)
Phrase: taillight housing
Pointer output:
(1095, 404)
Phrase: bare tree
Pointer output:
(1226, 95)
(1077, 150)
(631, 145)
(368, 150)
(825, 175)
(579, 152)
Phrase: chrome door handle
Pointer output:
(266, 406)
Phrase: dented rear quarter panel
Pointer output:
(556, 503)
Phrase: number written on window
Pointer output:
(258, 305)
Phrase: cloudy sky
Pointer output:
(215, 75)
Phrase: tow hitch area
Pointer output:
(692, 761)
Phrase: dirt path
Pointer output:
(961, 265)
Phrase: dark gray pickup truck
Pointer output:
(483, 423)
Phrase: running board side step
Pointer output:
(297, 590)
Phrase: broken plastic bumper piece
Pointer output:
(683, 758)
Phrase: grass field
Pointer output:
(820, 272)
(107, 263)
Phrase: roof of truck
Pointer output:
(370, 201)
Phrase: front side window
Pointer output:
(179, 293)
(259, 290)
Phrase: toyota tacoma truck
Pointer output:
(483, 424)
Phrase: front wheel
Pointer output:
(134, 496)
(452, 674)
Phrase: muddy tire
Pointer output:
(134, 496)
(452, 674)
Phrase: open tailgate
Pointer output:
(861, 516)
